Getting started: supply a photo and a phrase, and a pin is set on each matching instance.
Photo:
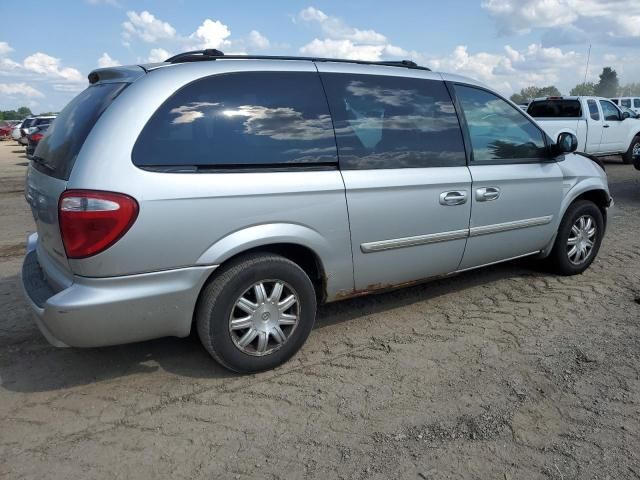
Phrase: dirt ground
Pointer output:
(502, 373)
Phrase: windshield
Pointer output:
(58, 150)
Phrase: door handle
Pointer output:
(456, 197)
(605, 126)
(486, 194)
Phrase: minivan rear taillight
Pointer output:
(91, 221)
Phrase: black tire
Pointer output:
(559, 258)
(627, 157)
(217, 303)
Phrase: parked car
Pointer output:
(16, 133)
(6, 128)
(34, 138)
(632, 103)
(600, 126)
(241, 192)
(32, 124)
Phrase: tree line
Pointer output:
(608, 86)
(18, 114)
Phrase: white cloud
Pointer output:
(334, 27)
(211, 34)
(569, 21)
(19, 89)
(105, 60)
(513, 69)
(147, 27)
(69, 87)
(50, 66)
(5, 49)
(158, 55)
(258, 41)
(342, 49)
(345, 41)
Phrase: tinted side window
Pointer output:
(593, 109)
(636, 103)
(616, 101)
(499, 131)
(609, 111)
(626, 102)
(241, 119)
(393, 122)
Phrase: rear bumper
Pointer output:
(95, 312)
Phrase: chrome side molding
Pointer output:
(370, 247)
(414, 241)
(507, 226)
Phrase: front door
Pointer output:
(403, 163)
(614, 134)
(516, 189)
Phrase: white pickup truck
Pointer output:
(599, 125)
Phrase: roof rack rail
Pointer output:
(213, 54)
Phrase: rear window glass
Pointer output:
(57, 151)
(626, 102)
(43, 121)
(636, 103)
(237, 120)
(555, 108)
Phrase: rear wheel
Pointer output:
(633, 151)
(579, 238)
(256, 313)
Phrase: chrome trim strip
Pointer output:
(382, 245)
(507, 226)
(370, 247)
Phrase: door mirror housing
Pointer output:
(567, 143)
(625, 115)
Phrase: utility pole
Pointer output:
(586, 70)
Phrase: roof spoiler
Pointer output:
(127, 73)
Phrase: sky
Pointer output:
(47, 53)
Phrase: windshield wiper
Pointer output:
(41, 161)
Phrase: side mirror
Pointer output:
(626, 115)
(567, 143)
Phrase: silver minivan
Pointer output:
(233, 194)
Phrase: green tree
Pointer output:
(24, 112)
(587, 88)
(21, 113)
(529, 93)
(608, 84)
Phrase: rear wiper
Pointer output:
(42, 161)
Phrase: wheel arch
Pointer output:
(298, 243)
(592, 192)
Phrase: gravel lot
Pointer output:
(502, 373)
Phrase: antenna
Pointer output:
(586, 70)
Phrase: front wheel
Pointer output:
(256, 313)
(579, 238)
(633, 151)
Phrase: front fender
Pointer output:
(336, 259)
